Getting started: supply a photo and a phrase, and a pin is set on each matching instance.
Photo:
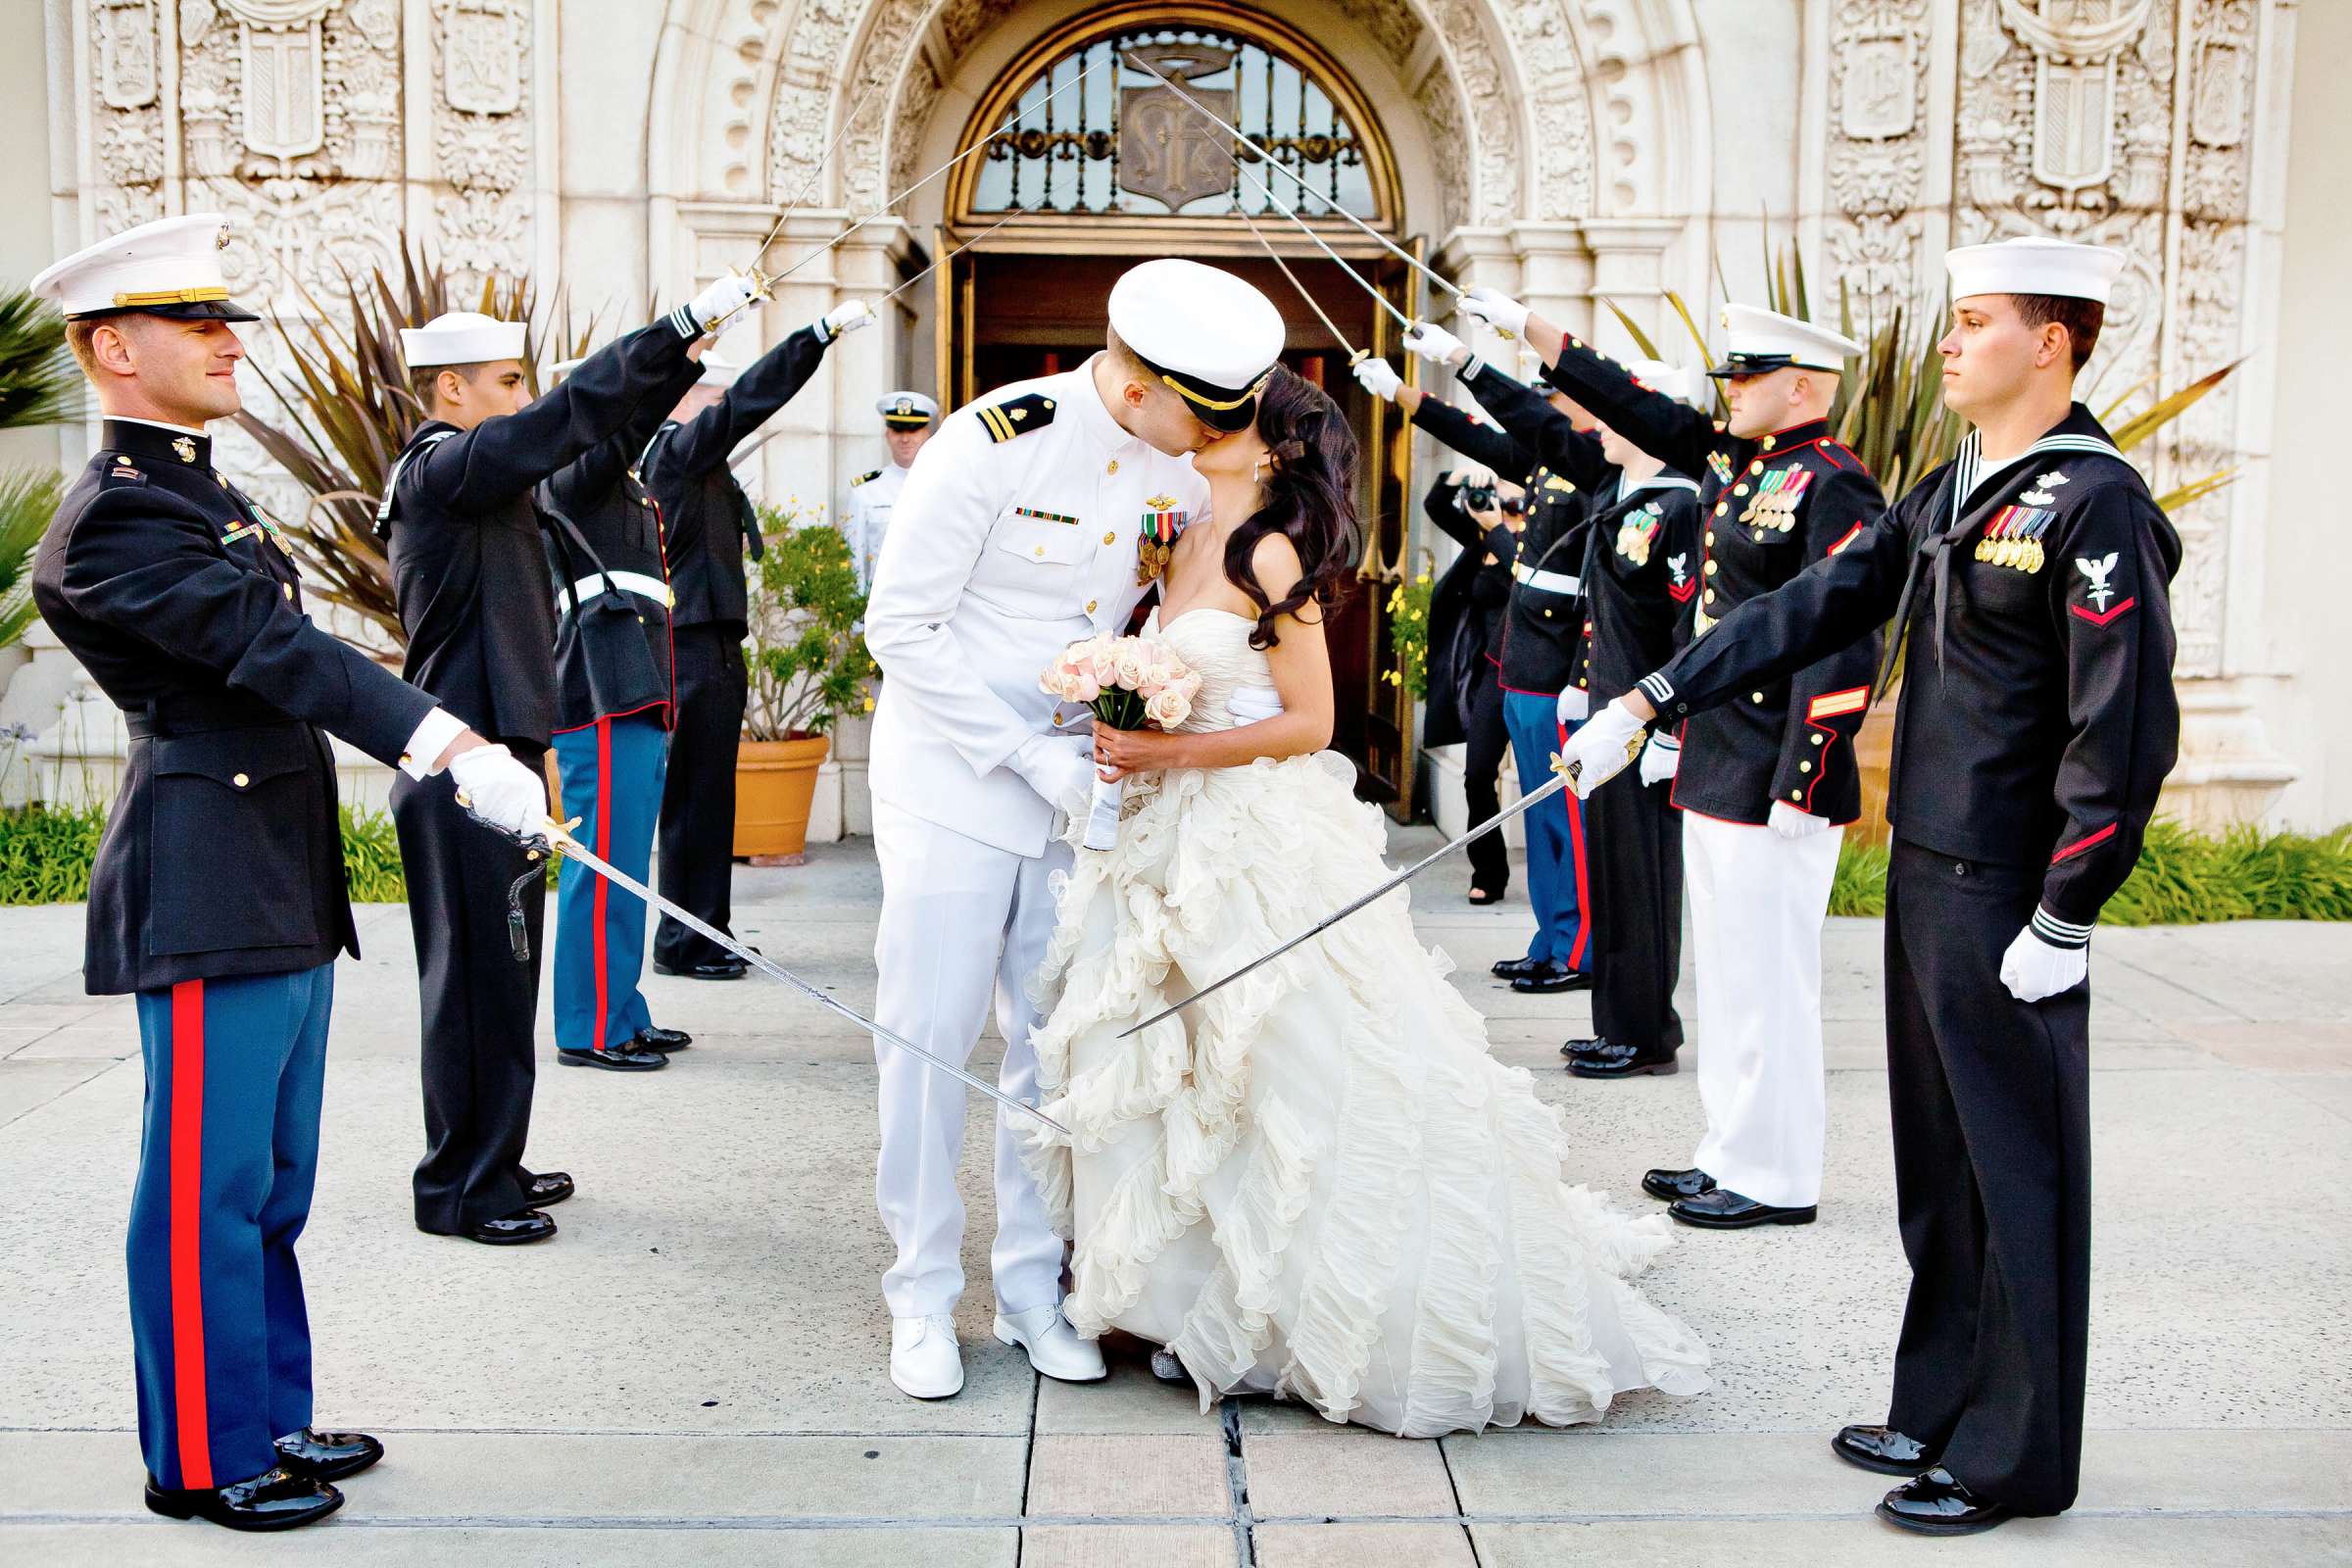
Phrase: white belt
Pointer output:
(635, 582)
(1551, 582)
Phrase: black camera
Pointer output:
(1477, 497)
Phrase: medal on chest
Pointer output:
(1773, 505)
(2013, 538)
(1636, 534)
(1720, 466)
(1156, 539)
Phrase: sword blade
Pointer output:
(1559, 783)
(1197, 108)
(1304, 227)
(571, 849)
(1353, 353)
(1017, 212)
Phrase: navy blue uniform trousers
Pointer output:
(1555, 834)
(228, 1150)
(611, 772)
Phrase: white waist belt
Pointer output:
(1551, 582)
(635, 582)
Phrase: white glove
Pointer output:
(1435, 344)
(2033, 969)
(1060, 768)
(1660, 757)
(1603, 747)
(500, 789)
(1575, 703)
(719, 300)
(1790, 823)
(1380, 379)
(1496, 309)
(846, 317)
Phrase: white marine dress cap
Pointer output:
(1762, 341)
(170, 268)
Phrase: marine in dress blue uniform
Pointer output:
(712, 525)
(2030, 594)
(472, 580)
(218, 894)
(615, 706)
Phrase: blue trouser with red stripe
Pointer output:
(1555, 833)
(227, 1153)
(611, 774)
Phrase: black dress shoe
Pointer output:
(1550, 977)
(728, 968)
(328, 1455)
(1883, 1450)
(652, 1037)
(511, 1229)
(614, 1058)
(1669, 1185)
(1722, 1209)
(1574, 1049)
(548, 1187)
(1609, 1059)
(276, 1499)
(1937, 1505)
(1513, 968)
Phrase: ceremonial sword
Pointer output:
(556, 839)
(1565, 776)
(1355, 353)
(1308, 229)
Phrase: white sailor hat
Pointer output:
(460, 337)
(2033, 264)
(170, 266)
(1762, 341)
(1203, 332)
(1659, 376)
(905, 411)
(564, 367)
(718, 372)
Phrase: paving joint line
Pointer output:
(1237, 1486)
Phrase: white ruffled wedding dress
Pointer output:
(1321, 1187)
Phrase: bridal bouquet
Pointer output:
(1127, 682)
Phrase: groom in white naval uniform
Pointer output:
(1020, 530)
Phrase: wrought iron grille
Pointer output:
(1120, 142)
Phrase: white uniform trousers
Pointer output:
(960, 920)
(1757, 901)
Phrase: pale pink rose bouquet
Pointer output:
(1127, 682)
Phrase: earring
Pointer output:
(1263, 460)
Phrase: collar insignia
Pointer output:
(187, 448)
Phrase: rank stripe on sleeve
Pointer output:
(1851, 534)
(1830, 705)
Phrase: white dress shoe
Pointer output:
(924, 1359)
(1054, 1348)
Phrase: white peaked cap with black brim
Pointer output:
(1762, 341)
(170, 268)
(460, 337)
(1204, 332)
(2033, 264)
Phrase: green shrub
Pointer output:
(371, 857)
(2183, 878)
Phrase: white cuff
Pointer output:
(420, 758)
(2059, 933)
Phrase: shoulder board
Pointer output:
(863, 477)
(1031, 411)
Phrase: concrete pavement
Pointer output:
(693, 1371)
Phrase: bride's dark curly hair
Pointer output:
(1310, 500)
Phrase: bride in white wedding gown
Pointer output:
(1315, 1182)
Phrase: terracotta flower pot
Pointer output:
(774, 783)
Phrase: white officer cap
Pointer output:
(1659, 376)
(1762, 341)
(905, 411)
(1203, 332)
(2033, 264)
(564, 367)
(718, 372)
(460, 337)
(170, 266)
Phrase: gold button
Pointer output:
(1548, 614)
(1041, 549)
(1710, 596)
(1739, 489)
(1817, 739)
(1711, 565)
(1710, 536)
(289, 588)
(240, 781)
(1797, 795)
(1757, 466)
(1110, 538)
(1804, 767)
(1114, 467)
(1722, 507)
(1769, 442)
(1090, 607)
(1755, 696)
